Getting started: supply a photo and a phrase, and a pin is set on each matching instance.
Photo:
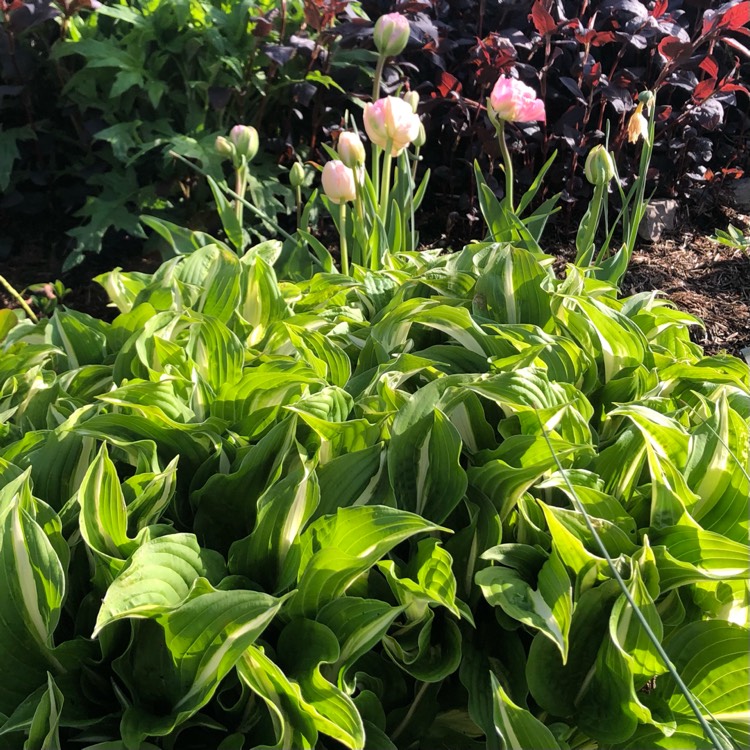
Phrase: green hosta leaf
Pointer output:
(711, 658)
(519, 728)
(192, 442)
(32, 588)
(148, 495)
(314, 346)
(271, 554)
(196, 644)
(427, 579)
(547, 608)
(615, 340)
(687, 554)
(304, 646)
(216, 352)
(510, 288)
(294, 718)
(44, 730)
(158, 576)
(520, 461)
(104, 517)
(337, 549)
(261, 300)
(254, 401)
(366, 480)
(423, 464)
(428, 649)
(557, 687)
(81, 337)
(721, 487)
(226, 505)
(627, 632)
(359, 625)
(215, 270)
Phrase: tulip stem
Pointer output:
(240, 184)
(508, 163)
(385, 192)
(377, 77)
(342, 237)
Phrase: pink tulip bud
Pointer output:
(514, 101)
(351, 149)
(391, 120)
(245, 141)
(338, 182)
(391, 34)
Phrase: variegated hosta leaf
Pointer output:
(32, 589)
(188, 649)
(547, 608)
(336, 549)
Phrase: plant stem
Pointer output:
(377, 77)
(385, 190)
(298, 200)
(240, 187)
(342, 238)
(232, 194)
(18, 298)
(508, 163)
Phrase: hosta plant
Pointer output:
(460, 502)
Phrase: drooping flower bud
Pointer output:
(296, 175)
(391, 120)
(513, 101)
(637, 125)
(599, 168)
(351, 149)
(338, 182)
(245, 141)
(224, 147)
(647, 99)
(391, 34)
(412, 99)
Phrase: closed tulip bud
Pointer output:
(245, 140)
(599, 168)
(338, 182)
(391, 34)
(224, 148)
(421, 138)
(412, 99)
(391, 120)
(351, 149)
(296, 175)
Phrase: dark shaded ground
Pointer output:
(700, 276)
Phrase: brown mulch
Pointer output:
(708, 280)
(700, 276)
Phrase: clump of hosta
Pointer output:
(459, 502)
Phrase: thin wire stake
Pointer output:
(684, 689)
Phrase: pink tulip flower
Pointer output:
(391, 120)
(338, 182)
(513, 101)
